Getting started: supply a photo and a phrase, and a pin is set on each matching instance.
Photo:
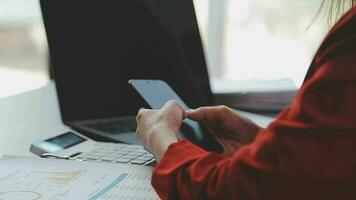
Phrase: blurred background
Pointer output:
(23, 47)
(247, 42)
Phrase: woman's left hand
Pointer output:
(157, 129)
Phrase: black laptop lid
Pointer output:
(97, 46)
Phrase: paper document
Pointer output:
(42, 179)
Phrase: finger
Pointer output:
(139, 114)
(204, 113)
(174, 106)
(215, 129)
(198, 114)
(137, 131)
(142, 112)
(230, 146)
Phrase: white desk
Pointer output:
(34, 115)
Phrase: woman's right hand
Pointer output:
(228, 127)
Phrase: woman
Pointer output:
(308, 152)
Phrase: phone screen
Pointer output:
(60, 142)
(156, 93)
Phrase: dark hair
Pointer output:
(334, 9)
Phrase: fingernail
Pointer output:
(189, 111)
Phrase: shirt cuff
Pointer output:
(178, 154)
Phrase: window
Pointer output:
(248, 41)
(23, 50)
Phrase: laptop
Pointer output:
(97, 46)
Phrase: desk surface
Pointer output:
(35, 115)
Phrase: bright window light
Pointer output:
(262, 40)
(23, 50)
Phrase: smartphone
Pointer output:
(156, 93)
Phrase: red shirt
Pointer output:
(308, 152)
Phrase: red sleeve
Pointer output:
(188, 172)
(308, 152)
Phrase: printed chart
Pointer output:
(38, 179)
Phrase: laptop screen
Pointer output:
(97, 46)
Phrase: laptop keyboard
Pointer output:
(113, 126)
(117, 153)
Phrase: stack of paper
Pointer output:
(32, 179)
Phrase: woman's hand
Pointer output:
(157, 129)
(228, 127)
